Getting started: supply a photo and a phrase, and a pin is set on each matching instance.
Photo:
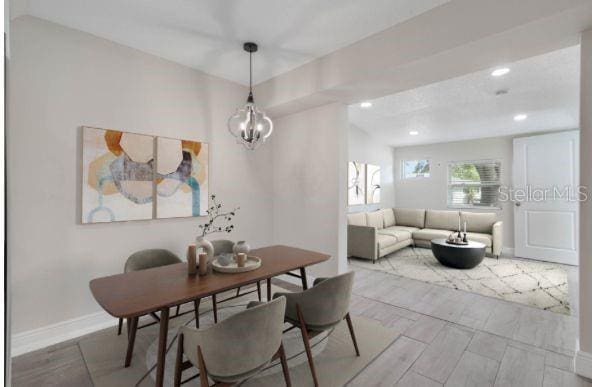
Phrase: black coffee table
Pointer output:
(458, 256)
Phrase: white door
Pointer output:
(546, 210)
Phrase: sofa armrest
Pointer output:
(361, 242)
(497, 238)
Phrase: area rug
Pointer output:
(334, 354)
(539, 284)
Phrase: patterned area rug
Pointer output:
(539, 284)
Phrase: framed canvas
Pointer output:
(181, 178)
(356, 183)
(372, 184)
(117, 175)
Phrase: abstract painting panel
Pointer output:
(372, 184)
(118, 173)
(181, 178)
(356, 183)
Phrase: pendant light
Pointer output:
(250, 125)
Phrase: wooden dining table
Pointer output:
(134, 294)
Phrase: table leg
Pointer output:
(268, 289)
(162, 344)
(303, 276)
(132, 324)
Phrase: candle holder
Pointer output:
(191, 260)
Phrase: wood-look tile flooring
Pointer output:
(455, 338)
(448, 337)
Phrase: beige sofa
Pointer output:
(372, 235)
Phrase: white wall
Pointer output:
(61, 79)
(432, 192)
(364, 148)
(583, 359)
(309, 183)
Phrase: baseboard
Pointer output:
(56, 333)
(583, 363)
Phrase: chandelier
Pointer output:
(250, 125)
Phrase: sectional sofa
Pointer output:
(372, 235)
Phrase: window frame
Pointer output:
(450, 164)
(403, 177)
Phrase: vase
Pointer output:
(207, 247)
(241, 247)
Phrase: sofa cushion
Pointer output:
(401, 235)
(388, 216)
(442, 220)
(357, 219)
(409, 217)
(402, 228)
(385, 241)
(480, 222)
(486, 239)
(374, 219)
(427, 234)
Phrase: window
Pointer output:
(412, 169)
(474, 184)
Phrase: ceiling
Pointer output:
(545, 87)
(208, 34)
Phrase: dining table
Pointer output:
(134, 294)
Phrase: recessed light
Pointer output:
(520, 117)
(414, 133)
(499, 72)
(366, 104)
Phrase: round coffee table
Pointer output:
(458, 256)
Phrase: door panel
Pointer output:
(546, 169)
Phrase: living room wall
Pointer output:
(432, 192)
(61, 79)
(365, 148)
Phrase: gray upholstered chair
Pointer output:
(142, 260)
(319, 309)
(236, 348)
(147, 259)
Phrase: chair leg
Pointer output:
(203, 373)
(285, 368)
(133, 327)
(177, 311)
(307, 345)
(352, 334)
(259, 290)
(237, 291)
(119, 326)
(196, 311)
(215, 308)
(303, 278)
(179, 362)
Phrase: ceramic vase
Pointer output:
(241, 247)
(207, 247)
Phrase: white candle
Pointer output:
(465, 229)
(459, 223)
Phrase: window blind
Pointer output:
(474, 183)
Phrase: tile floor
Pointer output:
(454, 338)
(448, 337)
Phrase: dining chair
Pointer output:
(225, 246)
(142, 260)
(320, 309)
(234, 349)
